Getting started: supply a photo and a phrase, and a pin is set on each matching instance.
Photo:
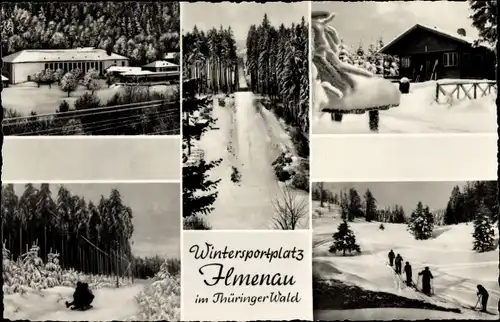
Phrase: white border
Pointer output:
(181, 225)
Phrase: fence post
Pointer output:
(437, 92)
(475, 90)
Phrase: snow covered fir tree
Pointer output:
(421, 222)
(246, 84)
(449, 227)
(51, 244)
(484, 235)
(344, 240)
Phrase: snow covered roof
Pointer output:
(452, 35)
(170, 55)
(160, 63)
(122, 69)
(4, 79)
(50, 55)
(137, 73)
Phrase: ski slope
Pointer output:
(110, 304)
(456, 268)
(248, 138)
(417, 113)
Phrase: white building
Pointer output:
(161, 66)
(21, 66)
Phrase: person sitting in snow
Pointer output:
(408, 274)
(482, 294)
(426, 280)
(391, 257)
(82, 297)
(399, 263)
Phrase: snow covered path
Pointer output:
(418, 113)
(247, 138)
(456, 268)
(109, 304)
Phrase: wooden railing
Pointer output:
(463, 89)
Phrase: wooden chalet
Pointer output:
(428, 53)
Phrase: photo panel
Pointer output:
(414, 70)
(91, 68)
(405, 250)
(91, 251)
(245, 115)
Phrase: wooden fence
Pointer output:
(461, 90)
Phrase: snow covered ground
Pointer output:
(456, 268)
(417, 113)
(110, 304)
(248, 138)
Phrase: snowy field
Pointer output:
(247, 138)
(27, 97)
(417, 113)
(109, 304)
(456, 268)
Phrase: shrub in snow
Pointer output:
(344, 240)
(484, 235)
(381, 227)
(421, 222)
(222, 101)
(29, 271)
(161, 300)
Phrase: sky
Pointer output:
(407, 194)
(155, 208)
(240, 16)
(368, 21)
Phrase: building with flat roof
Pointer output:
(21, 66)
(161, 66)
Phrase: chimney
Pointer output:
(461, 32)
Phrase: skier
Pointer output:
(399, 262)
(426, 280)
(408, 274)
(391, 258)
(482, 295)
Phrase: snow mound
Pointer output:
(418, 112)
(369, 92)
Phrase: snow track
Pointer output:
(456, 269)
(249, 139)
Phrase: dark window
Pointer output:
(405, 62)
(123, 63)
(46, 66)
(450, 59)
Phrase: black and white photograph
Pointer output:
(404, 67)
(91, 251)
(245, 128)
(90, 68)
(405, 250)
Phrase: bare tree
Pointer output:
(289, 210)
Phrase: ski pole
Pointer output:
(478, 299)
